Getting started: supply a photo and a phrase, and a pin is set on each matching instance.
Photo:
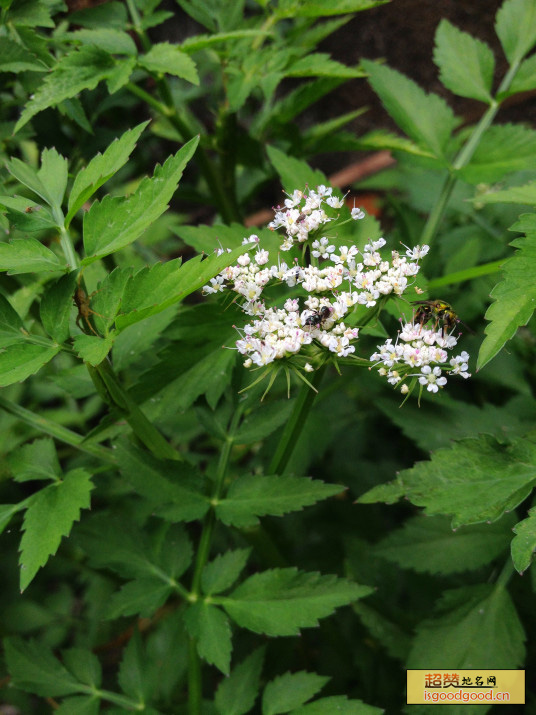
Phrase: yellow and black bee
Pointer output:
(437, 311)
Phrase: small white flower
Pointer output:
(308, 367)
(357, 213)
(432, 378)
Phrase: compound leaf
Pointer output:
(281, 601)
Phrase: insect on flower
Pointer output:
(438, 311)
(316, 319)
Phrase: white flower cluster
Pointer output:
(419, 347)
(337, 279)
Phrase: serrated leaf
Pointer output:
(115, 222)
(33, 668)
(291, 690)
(56, 305)
(428, 544)
(105, 38)
(223, 571)
(53, 175)
(382, 139)
(281, 601)
(101, 168)
(252, 496)
(27, 175)
(425, 118)
(237, 693)
(524, 543)
(263, 421)
(27, 215)
(16, 58)
(514, 299)
(476, 627)
(201, 42)
(170, 59)
(211, 629)
(120, 74)
(49, 517)
(92, 349)
(173, 487)
(8, 510)
(337, 704)
(79, 705)
(17, 362)
(475, 480)
(134, 677)
(388, 493)
(294, 173)
(515, 24)
(466, 64)
(11, 326)
(324, 8)
(524, 79)
(26, 255)
(141, 597)
(320, 64)
(37, 460)
(30, 13)
(79, 70)
(84, 665)
(154, 289)
(525, 195)
(503, 149)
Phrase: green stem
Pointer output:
(467, 274)
(203, 552)
(142, 428)
(68, 249)
(463, 158)
(294, 426)
(57, 431)
(505, 576)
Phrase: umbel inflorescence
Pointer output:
(329, 282)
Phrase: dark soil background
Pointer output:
(402, 33)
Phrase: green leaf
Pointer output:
(323, 8)
(524, 543)
(281, 601)
(37, 460)
(56, 305)
(49, 517)
(525, 78)
(26, 255)
(294, 173)
(263, 421)
(155, 288)
(9, 510)
(475, 480)
(17, 362)
(515, 24)
(134, 677)
(91, 348)
(107, 39)
(476, 627)
(524, 195)
(33, 668)
(320, 64)
(211, 629)
(53, 175)
(115, 222)
(425, 118)
(237, 693)
(101, 168)
(16, 58)
(428, 544)
(11, 326)
(291, 690)
(170, 59)
(28, 176)
(142, 597)
(172, 486)
(503, 149)
(30, 13)
(252, 496)
(79, 705)
(514, 299)
(337, 704)
(222, 572)
(111, 14)
(466, 64)
(120, 75)
(26, 215)
(79, 70)
(84, 665)
(201, 42)
(382, 139)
